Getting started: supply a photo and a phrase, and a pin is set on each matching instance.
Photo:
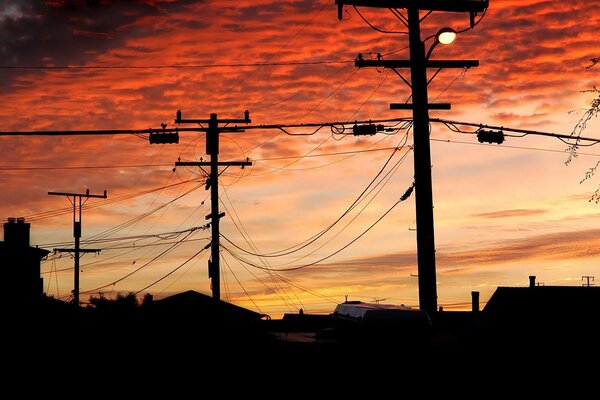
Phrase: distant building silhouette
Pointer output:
(20, 264)
(556, 315)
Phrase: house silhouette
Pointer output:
(20, 264)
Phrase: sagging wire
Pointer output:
(405, 196)
(300, 134)
(376, 28)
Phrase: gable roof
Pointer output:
(198, 305)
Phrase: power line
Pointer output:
(66, 210)
(162, 236)
(510, 147)
(328, 96)
(264, 63)
(308, 155)
(379, 187)
(242, 286)
(374, 27)
(155, 244)
(452, 126)
(240, 227)
(7, 168)
(312, 239)
(339, 153)
(404, 197)
(113, 283)
(175, 66)
(171, 272)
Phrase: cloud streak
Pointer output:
(509, 213)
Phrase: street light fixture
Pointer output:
(419, 63)
(444, 36)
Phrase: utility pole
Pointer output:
(77, 203)
(589, 279)
(212, 149)
(418, 64)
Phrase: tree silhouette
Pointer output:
(591, 112)
(122, 303)
(147, 300)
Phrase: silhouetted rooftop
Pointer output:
(544, 302)
(202, 306)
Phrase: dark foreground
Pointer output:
(154, 352)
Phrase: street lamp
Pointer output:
(419, 63)
(444, 36)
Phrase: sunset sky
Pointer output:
(502, 212)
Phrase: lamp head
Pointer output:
(446, 35)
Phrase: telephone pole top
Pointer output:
(77, 204)
(418, 64)
(212, 149)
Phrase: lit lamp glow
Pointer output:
(446, 35)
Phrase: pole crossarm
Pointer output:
(431, 106)
(80, 250)
(87, 194)
(207, 163)
(246, 120)
(429, 5)
(407, 63)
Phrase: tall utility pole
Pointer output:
(212, 149)
(420, 106)
(77, 203)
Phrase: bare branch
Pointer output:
(590, 113)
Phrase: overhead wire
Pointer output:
(328, 96)
(510, 147)
(407, 193)
(174, 281)
(134, 220)
(459, 76)
(162, 236)
(48, 168)
(260, 65)
(354, 71)
(383, 182)
(244, 233)
(325, 165)
(241, 286)
(225, 284)
(312, 239)
(116, 281)
(374, 27)
(171, 272)
(371, 95)
(100, 203)
(304, 256)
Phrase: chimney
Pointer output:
(532, 281)
(475, 301)
(16, 233)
